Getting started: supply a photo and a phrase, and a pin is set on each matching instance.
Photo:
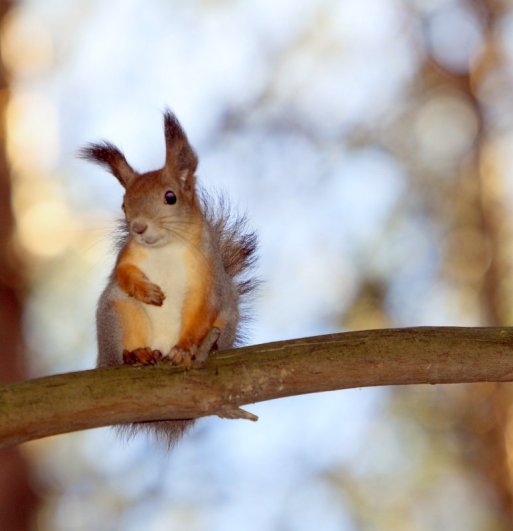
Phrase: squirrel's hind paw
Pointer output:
(179, 356)
(143, 356)
(197, 355)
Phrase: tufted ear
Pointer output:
(181, 160)
(112, 158)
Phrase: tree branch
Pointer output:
(230, 379)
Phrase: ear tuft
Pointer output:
(181, 160)
(109, 156)
(172, 128)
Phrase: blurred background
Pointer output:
(370, 142)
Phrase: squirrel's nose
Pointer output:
(139, 227)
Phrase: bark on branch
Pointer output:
(230, 379)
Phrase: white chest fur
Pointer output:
(165, 266)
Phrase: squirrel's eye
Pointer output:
(170, 197)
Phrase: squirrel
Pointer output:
(182, 272)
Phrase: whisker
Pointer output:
(172, 221)
(183, 236)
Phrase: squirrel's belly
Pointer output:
(166, 268)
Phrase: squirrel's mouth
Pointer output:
(147, 240)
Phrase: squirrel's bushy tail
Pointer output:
(167, 432)
(238, 246)
(237, 243)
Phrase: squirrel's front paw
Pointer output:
(149, 293)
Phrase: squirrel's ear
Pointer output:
(181, 160)
(110, 156)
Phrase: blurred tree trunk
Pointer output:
(17, 498)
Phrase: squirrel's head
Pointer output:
(157, 204)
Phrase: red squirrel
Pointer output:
(182, 269)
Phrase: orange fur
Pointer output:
(199, 312)
(132, 280)
(135, 325)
